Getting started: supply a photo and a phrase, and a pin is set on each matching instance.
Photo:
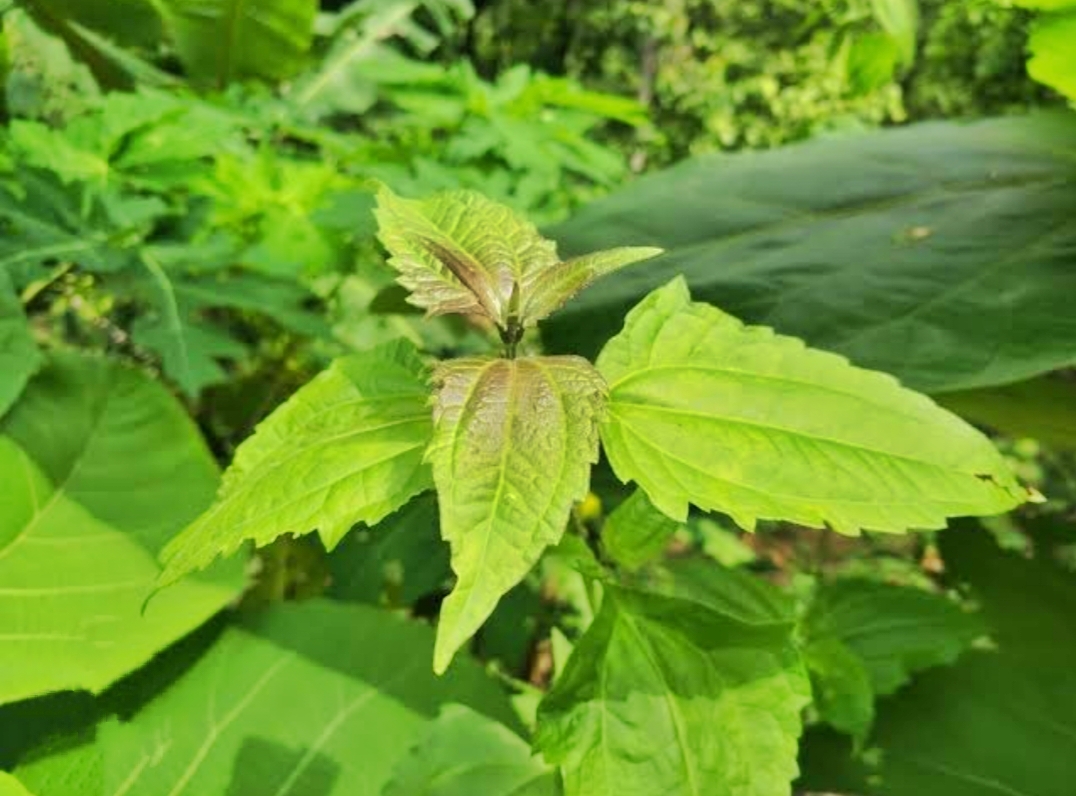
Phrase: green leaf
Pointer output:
(295, 703)
(872, 60)
(636, 532)
(843, 695)
(941, 253)
(900, 20)
(890, 631)
(669, 697)
(224, 40)
(398, 561)
(459, 252)
(9, 786)
(87, 504)
(1043, 408)
(802, 435)
(1053, 56)
(465, 753)
(998, 722)
(512, 449)
(344, 449)
(19, 357)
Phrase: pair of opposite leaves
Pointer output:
(688, 403)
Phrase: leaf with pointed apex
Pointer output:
(705, 410)
(637, 532)
(666, 696)
(545, 291)
(513, 444)
(19, 357)
(464, 752)
(346, 448)
(99, 466)
(459, 252)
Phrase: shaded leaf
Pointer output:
(224, 40)
(939, 252)
(19, 357)
(705, 410)
(513, 444)
(858, 628)
(464, 753)
(346, 448)
(87, 504)
(995, 722)
(293, 704)
(668, 697)
(1042, 408)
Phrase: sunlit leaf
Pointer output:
(705, 410)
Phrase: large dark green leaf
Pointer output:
(99, 466)
(1043, 408)
(942, 253)
(998, 722)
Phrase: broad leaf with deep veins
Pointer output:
(706, 411)
(671, 696)
(99, 466)
(941, 253)
(459, 252)
(346, 448)
(513, 444)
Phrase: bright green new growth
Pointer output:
(706, 411)
(512, 449)
(346, 448)
(689, 403)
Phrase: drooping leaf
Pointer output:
(1043, 408)
(224, 40)
(346, 448)
(889, 633)
(940, 252)
(295, 703)
(636, 532)
(513, 444)
(459, 252)
(100, 467)
(705, 410)
(464, 753)
(666, 696)
(1053, 57)
(19, 357)
(399, 560)
(1000, 721)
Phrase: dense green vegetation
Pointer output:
(424, 397)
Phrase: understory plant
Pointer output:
(687, 402)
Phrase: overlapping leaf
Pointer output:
(940, 253)
(513, 445)
(100, 467)
(9, 786)
(19, 357)
(736, 419)
(636, 532)
(670, 696)
(463, 753)
(459, 252)
(344, 449)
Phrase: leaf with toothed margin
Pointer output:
(738, 419)
(458, 252)
(346, 448)
(512, 448)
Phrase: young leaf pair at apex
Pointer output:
(687, 402)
